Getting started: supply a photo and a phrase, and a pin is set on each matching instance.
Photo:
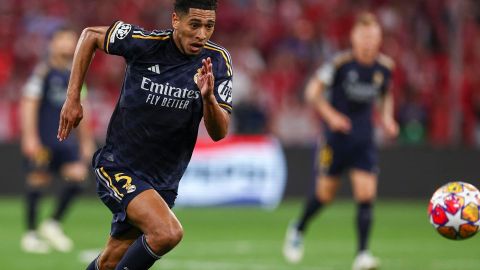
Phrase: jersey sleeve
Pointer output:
(388, 64)
(326, 73)
(33, 86)
(223, 78)
(386, 83)
(130, 41)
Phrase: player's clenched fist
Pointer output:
(70, 117)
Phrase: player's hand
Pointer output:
(70, 117)
(390, 127)
(206, 80)
(339, 122)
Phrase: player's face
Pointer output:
(366, 42)
(193, 30)
(63, 44)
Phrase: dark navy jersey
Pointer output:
(154, 127)
(353, 88)
(49, 86)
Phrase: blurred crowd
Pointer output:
(276, 45)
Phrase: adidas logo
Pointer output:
(155, 68)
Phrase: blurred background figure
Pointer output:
(353, 81)
(43, 97)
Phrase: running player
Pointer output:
(42, 101)
(173, 79)
(354, 80)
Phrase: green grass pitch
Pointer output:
(251, 239)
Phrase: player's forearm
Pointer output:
(29, 119)
(315, 97)
(90, 40)
(387, 107)
(216, 119)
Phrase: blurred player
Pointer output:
(173, 79)
(41, 104)
(354, 80)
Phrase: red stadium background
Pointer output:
(276, 45)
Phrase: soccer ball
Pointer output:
(454, 210)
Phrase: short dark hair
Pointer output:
(183, 6)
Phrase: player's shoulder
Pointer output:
(386, 61)
(342, 58)
(156, 34)
(220, 54)
(121, 30)
(218, 51)
(41, 70)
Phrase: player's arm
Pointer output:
(92, 38)
(30, 139)
(215, 118)
(29, 107)
(387, 115)
(314, 95)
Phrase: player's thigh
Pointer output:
(74, 171)
(364, 185)
(116, 247)
(151, 214)
(327, 187)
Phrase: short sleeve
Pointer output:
(388, 65)
(33, 87)
(386, 82)
(130, 41)
(223, 78)
(326, 73)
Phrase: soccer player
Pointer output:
(173, 79)
(42, 101)
(354, 80)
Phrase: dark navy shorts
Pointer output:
(52, 157)
(116, 188)
(336, 156)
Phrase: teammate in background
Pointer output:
(42, 101)
(353, 82)
(173, 79)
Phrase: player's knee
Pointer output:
(38, 180)
(164, 238)
(76, 172)
(366, 196)
(324, 197)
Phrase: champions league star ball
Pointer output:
(454, 210)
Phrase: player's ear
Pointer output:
(175, 20)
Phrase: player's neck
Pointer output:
(59, 62)
(364, 59)
(176, 42)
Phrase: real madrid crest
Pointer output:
(378, 78)
(195, 77)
